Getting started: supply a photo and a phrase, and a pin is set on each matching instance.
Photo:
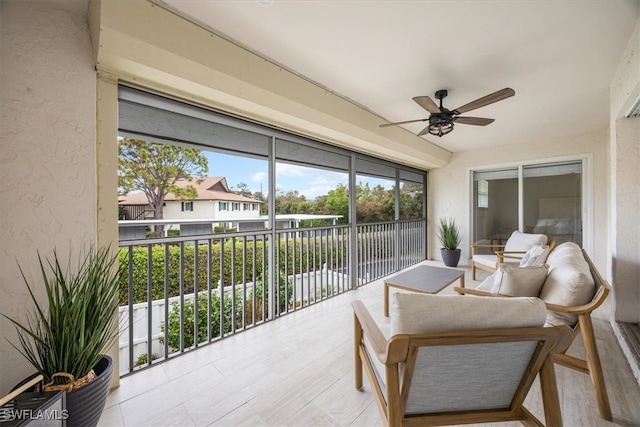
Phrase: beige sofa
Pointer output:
(571, 288)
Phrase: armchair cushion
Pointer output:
(523, 241)
(426, 313)
(519, 281)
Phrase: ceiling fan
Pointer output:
(441, 120)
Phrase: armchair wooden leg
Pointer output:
(473, 271)
(549, 389)
(595, 368)
(357, 339)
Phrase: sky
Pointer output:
(310, 182)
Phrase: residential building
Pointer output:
(214, 201)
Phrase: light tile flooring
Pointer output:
(298, 371)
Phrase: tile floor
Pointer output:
(298, 371)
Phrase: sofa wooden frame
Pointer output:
(403, 349)
(584, 326)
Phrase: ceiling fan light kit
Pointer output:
(441, 120)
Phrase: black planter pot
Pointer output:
(450, 258)
(85, 405)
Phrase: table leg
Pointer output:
(462, 281)
(386, 300)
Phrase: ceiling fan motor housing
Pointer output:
(440, 94)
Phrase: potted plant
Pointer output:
(66, 337)
(449, 236)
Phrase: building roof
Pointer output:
(209, 188)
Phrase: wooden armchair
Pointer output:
(512, 251)
(582, 326)
(439, 368)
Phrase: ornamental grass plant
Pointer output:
(76, 324)
(449, 234)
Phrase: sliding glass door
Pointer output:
(552, 200)
(495, 205)
(542, 198)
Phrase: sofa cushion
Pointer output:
(569, 282)
(425, 313)
(523, 241)
(536, 255)
(519, 281)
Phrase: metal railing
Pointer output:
(184, 292)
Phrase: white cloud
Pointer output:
(285, 169)
(322, 184)
(259, 177)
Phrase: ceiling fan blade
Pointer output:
(478, 121)
(423, 131)
(427, 103)
(401, 123)
(486, 100)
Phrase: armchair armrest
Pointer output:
(509, 255)
(475, 247)
(477, 293)
(370, 329)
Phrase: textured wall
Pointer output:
(47, 156)
(625, 185)
(449, 186)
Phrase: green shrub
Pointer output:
(143, 359)
(238, 316)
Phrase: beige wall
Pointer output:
(48, 166)
(449, 187)
(625, 184)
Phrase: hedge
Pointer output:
(139, 268)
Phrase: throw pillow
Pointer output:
(519, 281)
(536, 255)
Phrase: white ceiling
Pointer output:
(559, 56)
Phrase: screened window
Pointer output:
(223, 206)
(187, 206)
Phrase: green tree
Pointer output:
(374, 204)
(411, 201)
(291, 202)
(337, 203)
(155, 168)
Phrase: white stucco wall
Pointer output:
(450, 193)
(206, 209)
(47, 159)
(624, 149)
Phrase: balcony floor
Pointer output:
(298, 371)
